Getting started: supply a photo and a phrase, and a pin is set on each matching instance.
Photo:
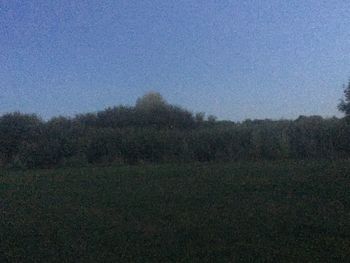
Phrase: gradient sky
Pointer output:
(234, 59)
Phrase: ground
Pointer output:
(221, 212)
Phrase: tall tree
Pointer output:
(344, 105)
(151, 101)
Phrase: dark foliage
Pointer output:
(344, 105)
(155, 131)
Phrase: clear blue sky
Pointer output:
(234, 59)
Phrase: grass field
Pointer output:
(237, 212)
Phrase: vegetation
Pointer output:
(154, 131)
(344, 105)
(258, 190)
(275, 211)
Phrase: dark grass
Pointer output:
(238, 212)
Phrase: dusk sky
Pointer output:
(234, 59)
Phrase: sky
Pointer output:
(233, 59)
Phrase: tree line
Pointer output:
(156, 131)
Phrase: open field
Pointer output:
(234, 212)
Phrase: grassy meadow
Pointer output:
(283, 211)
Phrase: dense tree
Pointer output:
(117, 117)
(104, 146)
(151, 100)
(18, 131)
(152, 110)
(156, 131)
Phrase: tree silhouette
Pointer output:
(344, 105)
(151, 101)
